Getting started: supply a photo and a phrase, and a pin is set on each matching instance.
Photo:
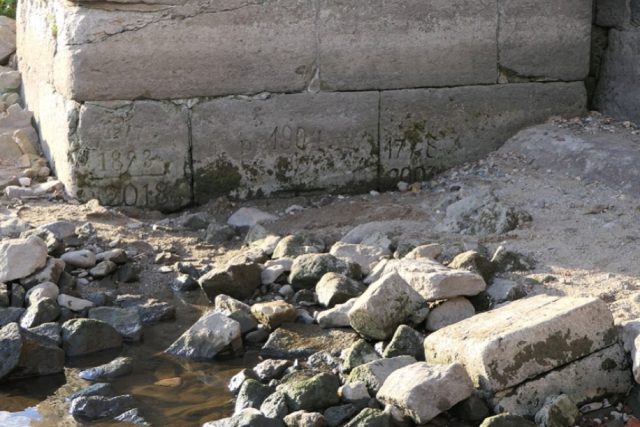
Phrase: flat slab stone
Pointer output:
(425, 131)
(285, 143)
(597, 375)
(259, 46)
(526, 338)
(444, 43)
(293, 340)
(133, 153)
(529, 34)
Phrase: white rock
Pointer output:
(501, 348)
(354, 392)
(336, 317)
(247, 217)
(43, 290)
(431, 251)
(212, 333)
(21, 257)
(385, 305)
(364, 255)
(449, 312)
(73, 303)
(422, 391)
(270, 274)
(83, 258)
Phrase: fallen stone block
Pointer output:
(526, 338)
(597, 375)
(422, 391)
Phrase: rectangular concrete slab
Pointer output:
(425, 131)
(597, 375)
(190, 50)
(544, 40)
(507, 346)
(133, 154)
(297, 142)
(382, 44)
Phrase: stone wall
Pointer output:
(159, 103)
(617, 60)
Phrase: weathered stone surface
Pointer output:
(25, 354)
(49, 330)
(601, 373)
(435, 282)
(307, 270)
(617, 94)
(83, 258)
(296, 245)
(612, 13)
(364, 255)
(295, 340)
(507, 420)
(10, 315)
(473, 261)
(207, 337)
(21, 257)
(406, 341)
(385, 305)
(312, 394)
(41, 311)
(150, 173)
(336, 288)
(558, 411)
(336, 317)
(73, 303)
(7, 38)
(375, 373)
(270, 369)
(424, 131)
(124, 320)
(359, 353)
(423, 391)
(528, 37)
(41, 291)
(85, 336)
(251, 395)
(248, 417)
(238, 280)
(449, 312)
(304, 419)
(278, 42)
(274, 313)
(275, 406)
(118, 367)
(284, 143)
(523, 339)
(50, 273)
(449, 43)
(370, 417)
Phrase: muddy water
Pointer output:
(201, 395)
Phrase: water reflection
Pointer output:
(192, 394)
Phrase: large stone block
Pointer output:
(133, 153)
(507, 346)
(544, 40)
(618, 91)
(109, 52)
(285, 143)
(425, 131)
(382, 44)
(600, 374)
(612, 13)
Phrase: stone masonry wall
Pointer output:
(159, 103)
(617, 44)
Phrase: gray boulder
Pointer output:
(311, 394)
(124, 320)
(90, 408)
(85, 336)
(211, 334)
(41, 311)
(118, 367)
(238, 280)
(25, 354)
(307, 270)
(336, 288)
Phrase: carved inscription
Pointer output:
(115, 163)
(130, 194)
(419, 153)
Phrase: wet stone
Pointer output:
(124, 320)
(90, 408)
(150, 310)
(118, 367)
(132, 416)
(97, 389)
